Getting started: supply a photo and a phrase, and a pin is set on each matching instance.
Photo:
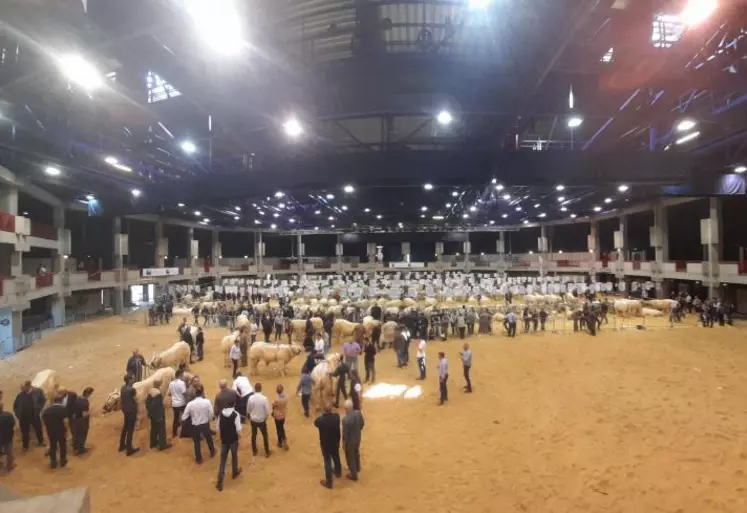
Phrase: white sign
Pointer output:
(407, 265)
(6, 331)
(158, 272)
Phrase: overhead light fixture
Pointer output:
(499, 187)
(344, 207)
(561, 198)
(542, 214)
(332, 226)
(378, 216)
(273, 226)
(349, 189)
(597, 209)
(685, 125)
(180, 205)
(623, 188)
(316, 228)
(367, 210)
(275, 215)
(52, 171)
(444, 118)
(135, 192)
(112, 161)
(575, 121)
(504, 216)
(80, 72)
(291, 220)
(525, 222)
(422, 216)
(428, 186)
(236, 218)
(292, 128)
(279, 194)
(218, 23)
(260, 212)
(506, 197)
(330, 196)
(563, 209)
(189, 147)
(473, 208)
(536, 205)
(687, 138)
(281, 205)
(206, 220)
(465, 216)
(697, 11)
(478, 4)
(560, 187)
(423, 209)
(494, 181)
(740, 169)
(198, 213)
(330, 218)
(455, 193)
(317, 212)
(237, 209)
(530, 251)
(257, 221)
(608, 200)
(90, 197)
(438, 218)
(573, 216)
(518, 209)
(492, 222)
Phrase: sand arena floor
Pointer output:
(629, 421)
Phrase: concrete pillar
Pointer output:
(159, 256)
(406, 252)
(16, 263)
(543, 247)
(216, 248)
(467, 248)
(661, 228)
(593, 241)
(622, 247)
(189, 253)
(118, 303)
(17, 324)
(259, 251)
(9, 201)
(339, 252)
(301, 250)
(713, 246)
(58, 310)
(58, 262)
(439, 251)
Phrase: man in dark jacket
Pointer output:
(229, 427)
(225, 398)
(200, 343)
(157, 416)
(135, 365)
(27, 407)
(328, 424)
(54, 418)
(7, 424)
(82, 420)
(352, 425)
(129, 410)
(341, 373)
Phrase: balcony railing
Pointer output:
(7, 223)
(43, 231)
(94, 275)
(45, 280)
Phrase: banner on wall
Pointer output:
(6, 331)
(158, 272)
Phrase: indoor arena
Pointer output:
(418, 256)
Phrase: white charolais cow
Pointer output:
(178, 354)
(47, 381)
(165, 375)
(343, 330)
(627, 307)
(225, 346)
(269, 353)
(322, 387)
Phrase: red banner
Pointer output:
(7, 223)
(43, 231)
(45, 280)
(680, 266)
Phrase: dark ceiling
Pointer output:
(366, 80)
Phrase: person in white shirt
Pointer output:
(235, 354)
(421, 359)
(319, 347)
(258, 408)
(200, 411)
(177, 391)
(243, 388)
(255, 329)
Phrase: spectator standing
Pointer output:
(7, 425)
(341, 373)
(200, 412)
(369, 361)
(178, 392)
(27, 407)
(304, 388)
(279, 411)
(82, 421)
(235, 355)
(421, 358)
(352, 426)
(443, 377)
(229, 428)
(328, 424)
(54, 420)
(129, 411)
(467, 364)
(258, 408)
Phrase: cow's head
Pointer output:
(112, 402)
(295, 349)
(155, 363)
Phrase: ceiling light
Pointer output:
(506, 197)
(623, 188)
(349, 189)
(687, 138)
(317, 212)
(573, 216)
(275, 215)
(444, 118)
(236, 218)
(279, 194)
(504, 216)
(112, 161)
(448, 205)
(438, 218)
(423, 209)
(330, 196)
(473, 208)
(542, 214)
(273, 226)
(563, 209)
(465, 216)
(559, 187)
(189, 147)
(530, 251)
(55, 171)
(560, 251)
(428, 186)
(330, 218)
(344, 207)
(492, 222)
(257, 221)
(525, 222)
(135, 192)
(575, 121)
(478, 4)
(316, 228)
(399, 225)
(281, 205)
(332, 226)
(422, 216)
(292, 220)
(292, 128)
(237, 209)
(597, 209)
(180, 205)
(499, 187)
(198, 213)
(608, 200)
(217, 22)
(80, 72)
(494, 181)
(697, 11)
(561, 198)
(378, 216)
(518, 209)
(90, 197)
(260, 212)
(536, 205)
(455, 193)
(685, 125)
(740, 169)
(206, 220)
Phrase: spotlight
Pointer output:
(423, 209)
(478, 4)
(180, 205)
(330, 196)
(685, 125)
(494, 181)
(506, 197)
(367, 210)
(275, 215)
(575, 121)
(438, 218)
(218, 23)
(112, 161)
(499, 187)
(349, 189)
(237, 209)
(330, 218)
(281, 205)
(623, 188)
(525, 222)
(292, 128)
(428, 186)
(608, 200)
(317, 212)
(504, 216)
(697, 11)
(399, 225)
(378, 216)
(189, 147)
(559, 187)
(687, 138)
(316, 228)
(536, 205)
(135, 192)
(740, 169)
(573, 216)
(518, 209)
(236, 218)
(597, 209)
(563, 209)
(52, 171)
(206, 220)
(542, 214)
(291, 220)
(455, 193)
(473, 208)
(90, 197)
(448, 205)
(561, 198)
(444, 118)
(273, 226)
(257, 221)
(344, 207)
(465, 216)
(422, 216)
(279, 194)
(80, 72)
(492, 222)
(198, 213)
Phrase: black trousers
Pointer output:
(178, 412)
(158, 433)
(198, 433)
(128, 429)
(278, 331)
(340, 390)
(462, 331)
(443, 388)
(370, 370)
(224, 450)
(305, 403)
(26, 423)
(235, 367)
(57, 443)
(466, 378)
(261, 426)
(280, 428)
(81, 433)
(331, 459)
(353, 458)
(200, 351)
(421, 366)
